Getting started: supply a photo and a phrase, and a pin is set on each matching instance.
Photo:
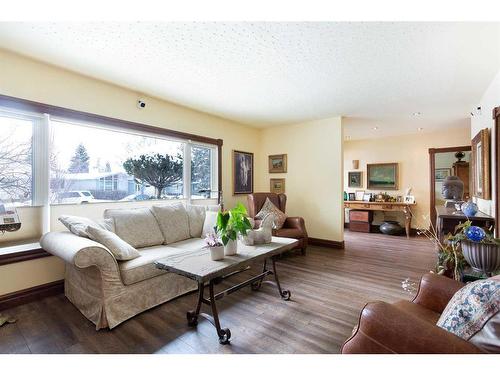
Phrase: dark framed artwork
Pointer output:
(354, 179)
(242, 172)
(481, 165)
(382, 176)
(352, 196)
(277, 185)
(277, 163)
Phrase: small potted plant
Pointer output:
(230, 223)
(214, 244)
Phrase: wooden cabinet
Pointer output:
(461, 170)
(360, 221)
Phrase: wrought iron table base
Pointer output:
(254, 282)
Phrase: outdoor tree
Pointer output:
(200, 169)
(80, 161)
(15, 169)
(156, 170)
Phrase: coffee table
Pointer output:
(198, 266)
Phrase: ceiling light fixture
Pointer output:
(417, 113)
(375, 128)
(420, 129)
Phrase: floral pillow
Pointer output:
(270, 209)
(471, 308)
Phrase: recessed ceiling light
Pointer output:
(417, 113)
(375, 128)
(420, 129)
(347, 137)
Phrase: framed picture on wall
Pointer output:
(277, 185)
(242, 172)
(382, 176)
(277, 163)
(354, 179)
(481, 165)
(442, 173)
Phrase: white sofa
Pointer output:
(108, 291)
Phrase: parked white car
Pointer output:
(75, 197)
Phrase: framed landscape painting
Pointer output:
(277, 163)
(242, 172)
(383, 176)
(442, 173)
(278, 185)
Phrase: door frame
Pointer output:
(432, 169)
(496, 131)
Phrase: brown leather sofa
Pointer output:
(294, 227)
(409, 327)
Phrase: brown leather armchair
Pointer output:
(409, 327)
(294, 227)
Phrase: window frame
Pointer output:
(43, 111)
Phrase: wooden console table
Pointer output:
(448, 218)
(406, 208)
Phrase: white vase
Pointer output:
(231, 248)
(217, 252)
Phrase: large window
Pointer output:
(98, 165)
(58, 160)
(16, 175)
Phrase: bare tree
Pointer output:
(15, 168)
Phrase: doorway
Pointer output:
(444, 162)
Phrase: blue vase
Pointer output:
(469, 208)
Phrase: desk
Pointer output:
(385, 206)
(447, 218)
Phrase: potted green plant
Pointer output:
(230, 223)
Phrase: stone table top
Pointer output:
(197, 265)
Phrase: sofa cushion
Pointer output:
(270, 209)
(173, 220)
(471, 308)
(143, 268)
(136, 226)
(119, 248)
(196, 216)
(209, 223)
(78, 225)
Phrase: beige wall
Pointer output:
(411, 152)
(313, 182)
(489, 100)
(314, 178)
(28, 79)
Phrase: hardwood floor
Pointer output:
(329, 287)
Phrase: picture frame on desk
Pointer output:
(410, 199)
(359, 195)
(367, 197)
(352, 196)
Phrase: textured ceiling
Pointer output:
(266, 74)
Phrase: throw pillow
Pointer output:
(78, 225)
(174, 222)
(270, 209)
(196, 215)
(470, 309)
(136, 226)
(209, 223)
(119, 248)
